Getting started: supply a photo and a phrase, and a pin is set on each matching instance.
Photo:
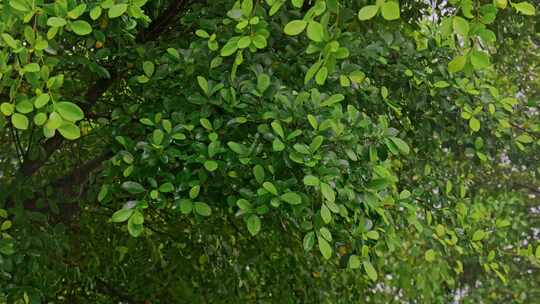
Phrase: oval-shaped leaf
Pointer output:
(367, 12)
(295, 27)
(253, 224)
(69, 111)
(121, 215)
(292, 198)
(202, 209)
(81, 27)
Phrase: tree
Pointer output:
(269, 151)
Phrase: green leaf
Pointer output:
(5, 225)
(203, 84)
(478, 235)
(137, 218)
(166, 187)
(313, 121)
(328, 192)
(243, 204)
(19, 121)
(320, 78)
(157, 136)
(247, 7)
(325, 233)
(77, 11)
(103, 192)
(69, 111)
(292, 198)
(202, 33)
(325, 214)
(54, 122)
(474, 124)
(430, 255)
(148, 68)
(354, 262)
(405, 194)
(276, 126)
(457, 64)
(194, 192)
(295, 27)
(524, 8)
(401, 145)
(259, 41)
(253, 224)
(441, 84)
(312, 70)
(41, 100)
(31, 68)
(237, 148)
(186, 206)
(174, 53)
(133, 187)
(309, 241)
(202, 209)
(277, 145)
(316, 143)
(367, 12)
(263, 82)
(373, 234)
(210, 165)
(501, 223)
(121, 215)
(206, 124)
(302, 148)
(135, 227)
(479, 59)
(524, 138)
(20, 5)
(40, 119)
(95, 12)
(229, 48)
(390, 10)
(244, 42)
(12, 43)
(81, 27)
(117, 10)
(461, 26)
(297, 3)
(268, 186)
(7, 108)
(69, 130)
(370, 270)
(24, 106)
(315, 31)
(258, 171)
(325, 248)
(56, 22)
(332, 100)
(310, 180)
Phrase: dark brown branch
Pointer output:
(29, 167)
(535, 134)
(66, 186)
(114, 292)
(80, 174)
(534, 190)
(160, 24)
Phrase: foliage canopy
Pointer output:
(276, 151)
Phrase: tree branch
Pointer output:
(65, 185)
(160, 24)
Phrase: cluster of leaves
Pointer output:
(268, 151)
